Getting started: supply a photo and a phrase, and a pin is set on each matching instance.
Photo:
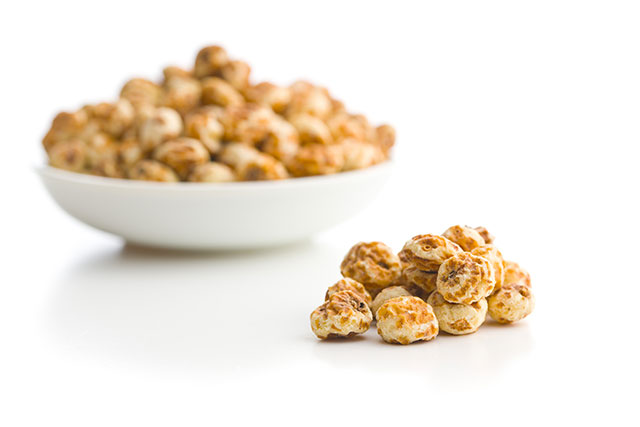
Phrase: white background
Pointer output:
(520, 116)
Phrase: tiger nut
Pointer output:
(465, 278)
(513, 302)
(458, 319)
(344, 314)
(407, 319)
(465, 237)
(373, 264)
(347, 284)
(428, 251)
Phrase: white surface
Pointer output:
(195, 216)
(520, 117)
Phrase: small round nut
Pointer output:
(310, 99)
(360, 155)
(465, 237)
(386, 294)
(281, 140)
(349, 126)
(70, 155)
(493, 255)
(458, 319)
(262, 168)
(513, 302)
(182, 94)
(428, 251)
(162, 125)
(236, 154)
(311, 129)
(513, 273)
(212, 172)
(141, 92)
(203, 124)
(488, 237)
(113, 118)
(209, 61)
(385, 138)
(344, 314)
(425, 280)
(182, 155)
(173, 71)
(407, 319)
(268, 94)
(346, 284)
(216, 91)
(373, 264)
(465, 278)
(65, 126)
(150, 170)
(236, 73)
(317, 159)
(129, 152)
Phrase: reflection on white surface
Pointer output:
(222, 312)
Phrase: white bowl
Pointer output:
(238, 215)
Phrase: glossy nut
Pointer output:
(458, 319)
(404, 320)
(465, 278)
(343, 315)
(513, 302)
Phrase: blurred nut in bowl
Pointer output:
(181, 94)
(237, 74)
(346, 284)
(386, 294)
(209, 61)
(343, 315)
(204, 124)
(465, 237)
(69, 155)
(311, 130)
(373, 264)
(270, 95)
(64, 127)
(263, 167)
(151, 170)
(407, 319)
(309, 99)
(212, 172)
(141, 92)
(281, 140)
(465, 278)
(385, 138)
(113, 118)
(216, 91)
(428, 251)
(182, 155)
(458, 319)
(317, 159)
(360, 155)
(162, 125)
(513, 302)
(173, 71)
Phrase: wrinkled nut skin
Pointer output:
(69, 155)
(386, 294)
(344, 314)
(425, 280)
(182, 155)
(458, 319)
(317, 159)
(407, 319)
(209, 61)
(428, 251)
(513, 302)
(493, 255)
(347, 284)
(465, 237)
(513, 273)
(216, 91)
(151, 170)
(488, 237)
(373, 264)
(212, 172)
(465, 278)
(162, 125)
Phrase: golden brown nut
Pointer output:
(268, 94)
(182, 155)
(281, 140)
(141, 92)
(173, 71)
(262, 168)
(493, 255)
(513, 273)
(458, 319)
(101, 147)
(426, 280)
(317, 159)
(150, 170)
(209, 61)
(344, 314)
(70, 155)
(488, 237)
(129, 152)
(204, 124)
(248, 123)
(114, 118)
(428, 251)
(513, 302)
(465, 237)
(237, 74)
(310, 99)
(346, 284)
(360, 155)
(212, 172)
(162, 125)
(404, 320)
(65, 126)
(311, 129)
(465, 278)
(386, 294)
(182, 94)
(236, 154)
(385, 138)
(350, 126)
(216, 91)
(373, 264)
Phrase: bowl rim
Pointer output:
(47, 171)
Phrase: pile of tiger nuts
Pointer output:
(448, 282)
(211, 124)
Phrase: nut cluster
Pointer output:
(212, 124)
(445, 282)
